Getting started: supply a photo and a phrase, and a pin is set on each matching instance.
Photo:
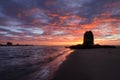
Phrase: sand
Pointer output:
(90, 64)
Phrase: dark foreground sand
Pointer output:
(91, 64)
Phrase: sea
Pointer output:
(31, 62)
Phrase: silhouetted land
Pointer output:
(17, 45)
(91, 64)
(11, 44)
(91, 47)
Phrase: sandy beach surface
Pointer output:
(91, 64)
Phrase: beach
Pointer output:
(59, 63)
(90, 64)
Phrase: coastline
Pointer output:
(90, 64)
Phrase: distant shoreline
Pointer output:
(17, 45)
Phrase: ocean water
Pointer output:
(30, 62)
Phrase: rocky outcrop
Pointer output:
(88, 43)
(88, 39)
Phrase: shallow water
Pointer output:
(30, 62)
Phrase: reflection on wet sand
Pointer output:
(56, 63)
(46, 71)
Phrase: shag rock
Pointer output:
(88, 43)
(88, 39)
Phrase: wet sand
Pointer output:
(90, 64)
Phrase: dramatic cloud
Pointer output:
(60, 21)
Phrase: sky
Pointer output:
(59, 22)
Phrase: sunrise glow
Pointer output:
(59, 22)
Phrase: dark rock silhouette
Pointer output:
(9, 44)
(88, 39)
(88, 42)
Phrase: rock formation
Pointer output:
(88, 43)
(88, 39)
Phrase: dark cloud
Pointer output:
(28, 10)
